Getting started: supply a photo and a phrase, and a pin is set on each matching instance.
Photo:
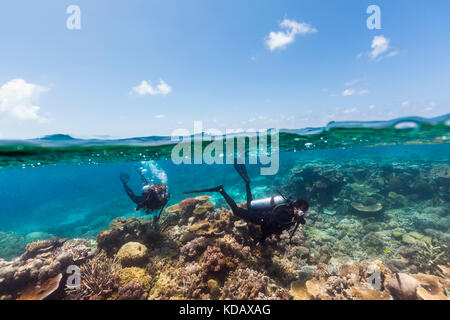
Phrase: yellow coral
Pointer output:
(214, 289)
(160, 287)
(135, 274)
(199, 210)
(229, 262)
(299, 291)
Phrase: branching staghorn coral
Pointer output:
(99, 279)
(430, 257)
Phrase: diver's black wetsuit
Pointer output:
(273, 220)
(154, 198)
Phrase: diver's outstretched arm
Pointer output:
(124, 178)
(143, 179)
(131, 194)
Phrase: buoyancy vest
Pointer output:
(278, 211)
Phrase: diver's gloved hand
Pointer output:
(124, 177)
(300, 216)
(302, 220)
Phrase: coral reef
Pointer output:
(132, 254)
(125, 230)
(134, 284)
(42, 290)
(41, 261)
(213, 260)
(135, 274)
(133, 290)
(375, 232)
(99, 281)
(11, 245)
(251, 284)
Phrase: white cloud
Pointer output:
(146, 88)
(160, 116)
(380, 45)
(405, 104)
(352, 92)
(363, 92)
(280, 39)
(393, 53)
(18, 99)
(371, 107)
(348, 92)
(348, 111)
(351, 83)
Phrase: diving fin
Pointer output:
(216, 189)
(240, 168)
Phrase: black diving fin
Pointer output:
(240, 168)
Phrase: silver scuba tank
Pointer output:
(267, 202)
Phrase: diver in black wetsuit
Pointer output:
(273, 214)
(154, 196)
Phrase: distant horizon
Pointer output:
(443, 119)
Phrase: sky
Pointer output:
(141, 68)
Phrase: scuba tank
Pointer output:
(267, 203)
(277, 203)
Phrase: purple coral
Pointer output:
(133, 290)
(192, 249)
(245, 284)
(213, 260)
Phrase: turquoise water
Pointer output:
(65, 187)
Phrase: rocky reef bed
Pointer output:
(375, 232)
(211, 255)
(398, 213)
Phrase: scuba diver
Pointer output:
(154, 196)
(273, 214)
